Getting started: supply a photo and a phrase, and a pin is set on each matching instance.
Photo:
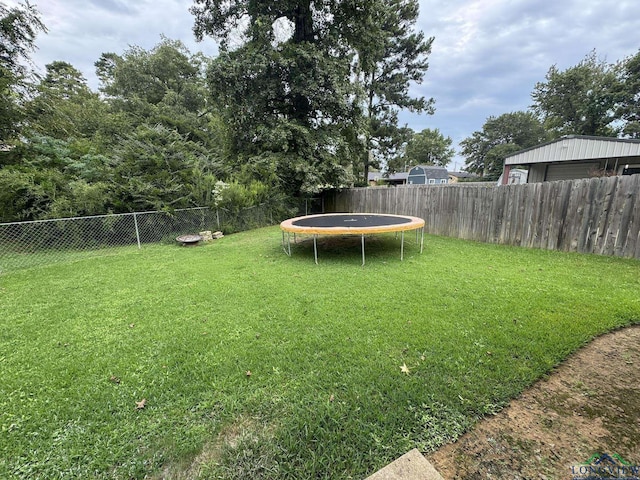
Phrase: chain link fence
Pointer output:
(40, 242)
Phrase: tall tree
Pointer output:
(429, 147)
(64, 106)
(580, 100)
(19, 27)
(311, 127)
(284, 92)
(168, 143)
(148, 75)
(164, 85)
(629, 100)
(391, 56)
(500, 136)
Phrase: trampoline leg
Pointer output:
(289, 242)
(315, 248)
(402, 246)
(363, 249)
(284, 246)
(422, 240)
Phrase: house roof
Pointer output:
(575, 148)
(392, 177)
(463, 174)
(430, 171)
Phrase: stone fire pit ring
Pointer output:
(189, 240)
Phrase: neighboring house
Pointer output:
(393, 179)
(455, 177)
(576, 156)
(427, 175)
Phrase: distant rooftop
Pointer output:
(399, 176)
(463, 174)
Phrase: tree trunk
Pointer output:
(367, 153)
(303, 32)
(303, 22)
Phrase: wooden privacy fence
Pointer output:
(595, 215)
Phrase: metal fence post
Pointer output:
(40, 242)
(135, 222)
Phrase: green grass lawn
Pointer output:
(82, 342)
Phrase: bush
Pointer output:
(252, 205)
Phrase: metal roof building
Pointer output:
(427, 175)
(577, 156)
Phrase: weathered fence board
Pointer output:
(598, 215)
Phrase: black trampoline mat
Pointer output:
(347, 220)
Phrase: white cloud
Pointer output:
(488, 55)
(80, 31)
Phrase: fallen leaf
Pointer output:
(404, 368)
(248, 374)
(114, 379)
(131, 325)
(331, 398)
(422, 357)
(141, 404)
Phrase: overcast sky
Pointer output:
(486, 58)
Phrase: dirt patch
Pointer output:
(590, 404)
(245, 430)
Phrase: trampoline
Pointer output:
(350, 224)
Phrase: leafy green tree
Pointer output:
(390, 56)
(26, 194)
(19, 27)
(580, 100)
(168, 142)
(165, 86)
(428, 147)
(289, 101)
(150, 75)
(64, 105)
(53, 178)
(629, 100)
(485, 150)
(363, 55)
(153, 169)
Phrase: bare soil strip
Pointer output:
(589, 404)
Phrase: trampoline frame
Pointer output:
(289, 227)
